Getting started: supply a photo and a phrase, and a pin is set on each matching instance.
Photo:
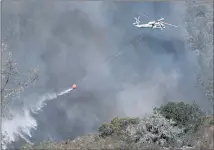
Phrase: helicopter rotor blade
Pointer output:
(169, 24)
(143, 15)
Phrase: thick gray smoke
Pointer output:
(71, 40)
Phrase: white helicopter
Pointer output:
(159, 24)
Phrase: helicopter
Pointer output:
(159, 24)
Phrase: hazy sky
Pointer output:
(72, 40)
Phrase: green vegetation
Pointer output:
(211, 122)
(188, 116)
(117, 126)
(43, 145)
(165, 128)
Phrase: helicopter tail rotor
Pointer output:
(137, 21)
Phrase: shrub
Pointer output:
(150, 130)
(156, 129)
(117, 126)
(188, 116)
(211, 122)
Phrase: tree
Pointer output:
(188, 116)
(14, 82)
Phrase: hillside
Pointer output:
(174, 125)
(199, 25)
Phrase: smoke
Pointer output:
(72, 43)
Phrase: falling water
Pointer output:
(22, 124)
